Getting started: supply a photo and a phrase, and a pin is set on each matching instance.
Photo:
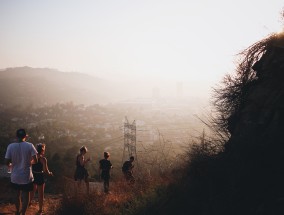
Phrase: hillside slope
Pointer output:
(43, 86)
(255, 150)
(246, 177)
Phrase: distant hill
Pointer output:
(44, 86)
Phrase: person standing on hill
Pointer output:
(81, 173)
(20, 156)
(127, 170)
(105, 167)
(39, 169)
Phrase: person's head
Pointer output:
(40, 148)
(106, 155)
(131, 158)
(83, 150)
(21, 134)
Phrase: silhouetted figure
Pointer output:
(21, 155)
(105, 167)
(81, 172)
(39, 169)
(127, 170)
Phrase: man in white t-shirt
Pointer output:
(21, 155)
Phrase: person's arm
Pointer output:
(83, 161)
(100, 170)
(110, 172)
(34, 159)
(8, 161)
(87, 160)
(43, 160)
(34, 155)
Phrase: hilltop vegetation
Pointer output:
(240, 169)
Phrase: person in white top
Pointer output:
(20, 156)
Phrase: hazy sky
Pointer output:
(179, 40)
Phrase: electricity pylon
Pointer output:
(129, 140)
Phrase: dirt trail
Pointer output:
(50, 203)
(7, 195)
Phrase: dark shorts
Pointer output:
(105, 175)
(23, 187)
(81, 174)
(38, 178)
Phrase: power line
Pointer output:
(115, 138)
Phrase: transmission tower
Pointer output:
(129, 140)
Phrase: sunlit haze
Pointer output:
(191, 89)
(161, 42)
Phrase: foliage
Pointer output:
(240, 181)
(231, 95)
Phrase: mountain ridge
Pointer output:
(45, 86)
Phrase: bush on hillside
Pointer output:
(229, 97)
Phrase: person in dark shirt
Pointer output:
(127, 170)
(39, 169)
(105, 167)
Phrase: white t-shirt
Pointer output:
(21, 156)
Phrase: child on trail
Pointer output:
(127, 170)
(81, 173)
(105, 167)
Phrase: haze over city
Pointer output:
(131, 104)
(153, 44)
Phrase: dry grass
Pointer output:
(122, 198)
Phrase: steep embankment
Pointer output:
(247, 176)
(255, 150)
